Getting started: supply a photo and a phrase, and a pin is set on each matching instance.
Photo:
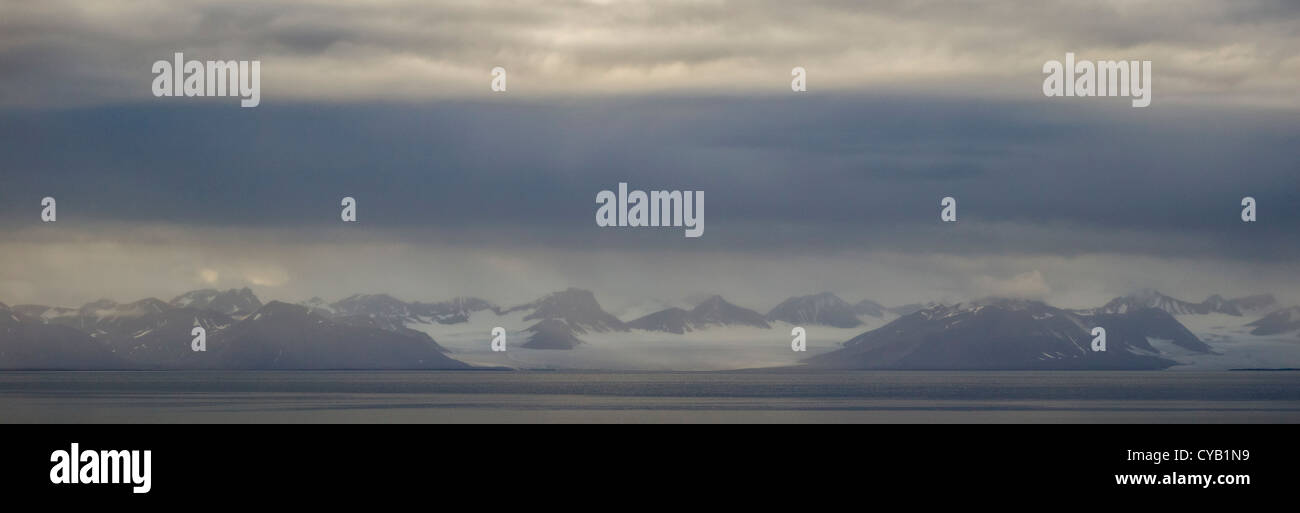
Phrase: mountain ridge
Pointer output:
(151, 333)
(713, 311)
(1010, 334)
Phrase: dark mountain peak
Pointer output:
(869, 307)
(712, 301)
(578, 308)
(713, 304)
(1280, 321)
(824, 308)
(4, 307)
(672, 320)
(716, 311)
(551, 334)
(713, 311)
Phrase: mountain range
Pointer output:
(241, 333)
(1013, 334)
(378, 331)
(1148, 298)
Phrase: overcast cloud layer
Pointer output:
(462, 191)
(63, 52)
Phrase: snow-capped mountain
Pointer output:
(233, 302)
(1149, 298)
(151, 334)
(30, 343)
(991, 333)
(1012, 334)
(159, 338)
(714, 311)
(391, 312)
(576, 307)
(818, 309)
(563, 316)
(318, 306)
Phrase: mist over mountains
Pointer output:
(1145, 330)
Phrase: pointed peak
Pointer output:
(714, 300)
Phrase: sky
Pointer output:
(466, 191)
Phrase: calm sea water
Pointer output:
(442, 396)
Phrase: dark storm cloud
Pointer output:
(823, 172)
